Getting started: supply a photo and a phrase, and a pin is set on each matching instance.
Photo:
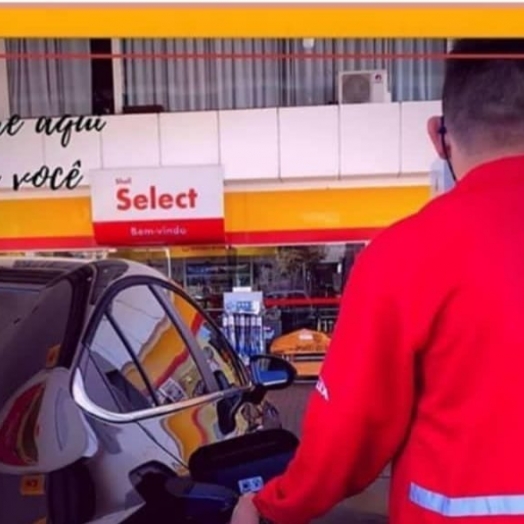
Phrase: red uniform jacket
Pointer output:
(425, 369)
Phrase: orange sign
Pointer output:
(52, 356)
(32, 485)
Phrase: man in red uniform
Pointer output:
(426, 365)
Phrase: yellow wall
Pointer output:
(251, 217)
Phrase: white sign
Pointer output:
(166, 205)
(155, 193)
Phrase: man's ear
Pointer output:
(436, 136)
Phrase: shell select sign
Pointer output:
(152, 200)
(158, 206)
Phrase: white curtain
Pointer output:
(197, 84)
(49, 86)
(411, 78)
(193, 83)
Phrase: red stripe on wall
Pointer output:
(301, 237)
(231, 238)
(319, 301)
(42, 243)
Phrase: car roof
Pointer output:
(38, 271)
(41, 271)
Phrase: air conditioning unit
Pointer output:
(363, 87)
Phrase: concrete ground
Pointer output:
(370, 507)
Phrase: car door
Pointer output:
(181, 355)
(158, 385)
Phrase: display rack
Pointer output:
(242, 322)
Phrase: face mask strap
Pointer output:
(442, 132)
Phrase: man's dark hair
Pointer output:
(483, 96)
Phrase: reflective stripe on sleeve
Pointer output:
(492, 505)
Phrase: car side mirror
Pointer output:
(270, 372)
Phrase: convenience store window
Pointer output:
(294, 278)
(302, 284)
(307, 271)
(312, 271)
(207, 279)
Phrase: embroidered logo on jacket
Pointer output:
(322, 389)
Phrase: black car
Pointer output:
(121, 400)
